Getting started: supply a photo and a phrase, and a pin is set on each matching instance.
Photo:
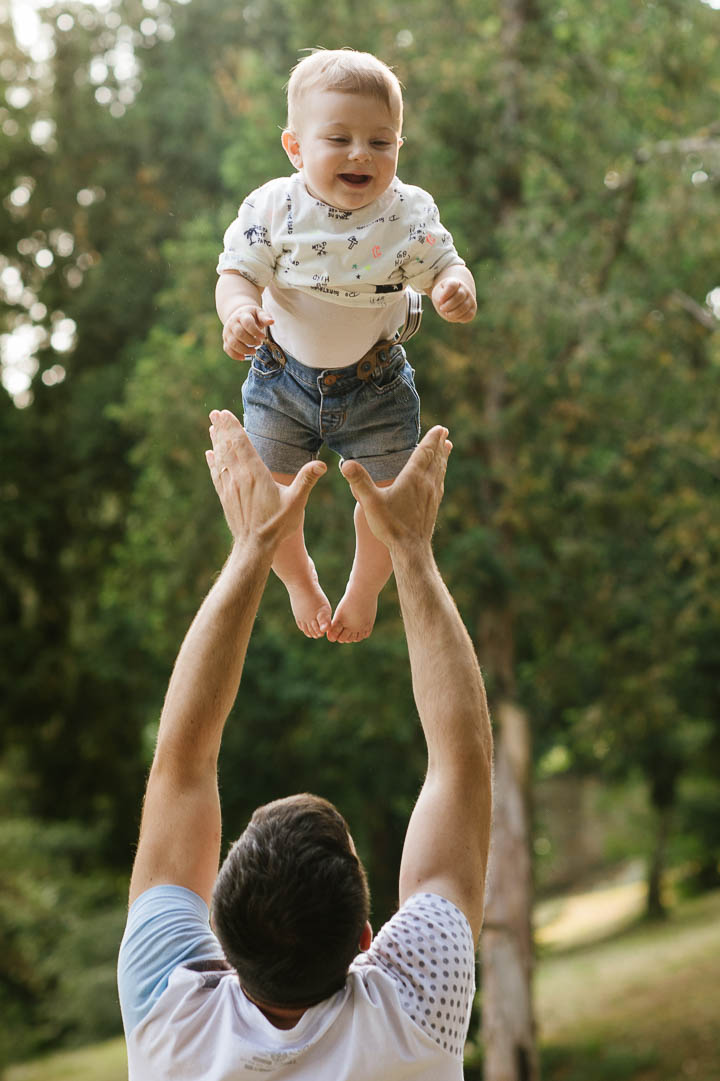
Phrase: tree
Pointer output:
(98, 189)
(574, 158)
(574, 306)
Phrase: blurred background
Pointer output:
(574, 152)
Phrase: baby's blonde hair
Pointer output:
(348, 71)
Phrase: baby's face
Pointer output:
(347, 147)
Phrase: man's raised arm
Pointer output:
(180, 832)
(446, 847)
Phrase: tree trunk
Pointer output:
(655, 906)
(663, 788)
(508, 1025)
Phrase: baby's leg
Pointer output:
(355, 615)
(296, 570)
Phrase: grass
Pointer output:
(578, 919)
(641, 1005)
(100, 1062)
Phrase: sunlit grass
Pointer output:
(642, 1006)
(100, 1062)
(582, 918)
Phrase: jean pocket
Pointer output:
(394, 378)
(264, 364)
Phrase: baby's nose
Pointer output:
(359, 152)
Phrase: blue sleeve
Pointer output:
(167, 926)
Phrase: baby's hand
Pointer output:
(244, 330)
(453, 300)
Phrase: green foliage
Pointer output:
(577, 167)
(595, 1062)
(696, 843)
(61, 920)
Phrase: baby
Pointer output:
(332, 259)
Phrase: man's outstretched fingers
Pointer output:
(357, 476)
(429, 453)
(231, 443)
(434, 438)
(215, 473)
(225, 425)
(352, 470)
(440, 445)
(306, 479)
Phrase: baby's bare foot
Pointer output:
(310, 606)
(354, 617)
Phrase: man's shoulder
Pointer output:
(426, 936)
(427, 953)
(167, 928)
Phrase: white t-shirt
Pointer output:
(402, 1015)
(334, 280)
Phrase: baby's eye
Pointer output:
(337, 139)
(381, 144)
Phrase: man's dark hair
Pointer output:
(291, 901)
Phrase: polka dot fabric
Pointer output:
(428, 950)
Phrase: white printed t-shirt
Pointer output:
(334, 280)
(402, 1015)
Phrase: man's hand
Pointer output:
(257, 509)
(404, 513)
(245, 330)
(453, 300)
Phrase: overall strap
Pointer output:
(413, 317)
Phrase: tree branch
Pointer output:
(701, 314)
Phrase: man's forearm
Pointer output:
(207, 672)
(448, 835)
(447, 682)
(447, 839)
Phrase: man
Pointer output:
(290, 903)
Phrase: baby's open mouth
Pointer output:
(358, 179)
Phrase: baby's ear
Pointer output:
(291, 146)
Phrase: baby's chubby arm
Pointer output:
(239, 305)
(453, 294)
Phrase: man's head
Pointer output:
(344, 128)
(291, 902)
